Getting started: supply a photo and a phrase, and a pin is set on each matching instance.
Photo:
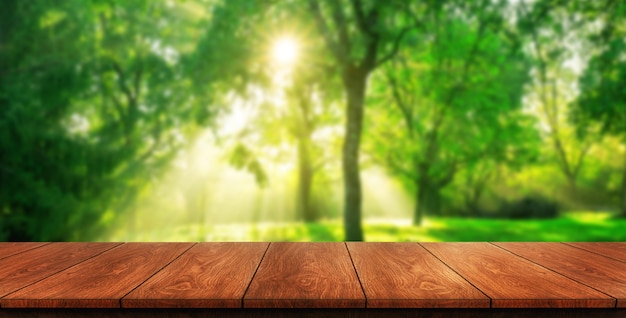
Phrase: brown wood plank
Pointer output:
(616, 250)
(33, 265)
(602, 273)
(316, 313)
(209, 275)
(513, 282)
(10, 248)
(305, 275)
(405, 275)
(99, 282)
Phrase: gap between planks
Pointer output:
(61, 268)
(554, 271)
(549, 264)
(159, 270)
(255, 271)
(467, 280)
(352, 263)
(358, 277)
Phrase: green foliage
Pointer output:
(579, 227)
(457, 94)
(529, 207)
(242, 158)
(99, 97)
(604, 80)
(92, 97)
(604, 94)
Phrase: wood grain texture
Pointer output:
(10, 248)
(314, 313)
(99, 282)
(209, 275)
(616, 250)
(602, 273)
(309, 275)
(25, 268)
(513, 282)
(405, 275)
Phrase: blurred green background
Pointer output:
(312, 120)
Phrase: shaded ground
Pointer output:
(572, 227)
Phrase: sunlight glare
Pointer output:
(384, 200)
(285, 51)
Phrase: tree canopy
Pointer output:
(474, 107)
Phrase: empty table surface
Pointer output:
(312, 275)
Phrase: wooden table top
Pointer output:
(312, 275)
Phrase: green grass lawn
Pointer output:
(570, 227)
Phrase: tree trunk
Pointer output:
(623, 212)
(427, 199)
(305, 181)
(472, 198)
(354, 80)
(432, 199)
(420, 195)
(192, 203)
(421, 189)
(304, 208)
